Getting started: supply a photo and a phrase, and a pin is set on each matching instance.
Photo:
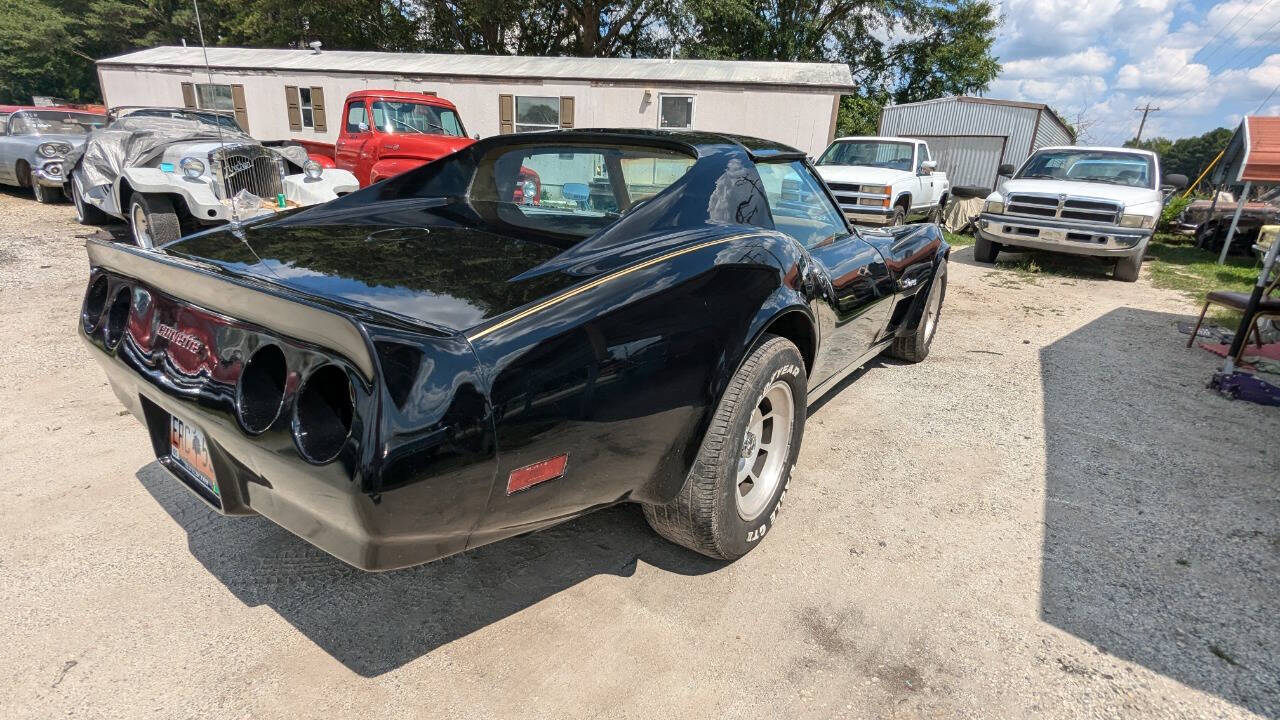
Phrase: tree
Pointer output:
(1186, 156)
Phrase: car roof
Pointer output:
(886, 138)
(1097, 148)
(697, 141)
(418, 97)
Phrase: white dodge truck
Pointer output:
(884, 180)
(1099, 201)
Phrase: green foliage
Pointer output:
(1172, 209)
(1188, 156)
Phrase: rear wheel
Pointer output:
(732, 494)
(984, 250)
(915, 347)
(86, 214)
(152, 220)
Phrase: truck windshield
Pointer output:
(870, 153)
(402, 116)
(53, 122)
(1111, 168)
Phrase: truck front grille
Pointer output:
(248, 167)
(1064, 207)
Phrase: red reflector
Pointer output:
(542, 471)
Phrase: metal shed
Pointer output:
(971, 137)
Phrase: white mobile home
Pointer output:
(298, 94)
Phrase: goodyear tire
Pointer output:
(733, 493)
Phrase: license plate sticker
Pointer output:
(188, 448)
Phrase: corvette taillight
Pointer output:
(260, 389)
(95, 301)
(322, 414)
(118, 315)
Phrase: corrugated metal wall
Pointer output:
(968, 121)
(967, 159)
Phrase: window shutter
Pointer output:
(506, 114)
(237, 101)
(318, 118)
(566, 111)
(291, 105)
(189, 96)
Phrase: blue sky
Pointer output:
(1206, 64)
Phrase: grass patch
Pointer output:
(957, 241)
(1175, 264)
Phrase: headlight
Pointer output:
(53, 149)
(192, 167)
(875, 189)
(1137, 221)
(993, 206)
(312, 169)
(530, 189)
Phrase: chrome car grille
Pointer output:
(853, 198)
(248, 167)
(1064, 207)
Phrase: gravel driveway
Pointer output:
(1050, 517)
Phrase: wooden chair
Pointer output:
(1238, 301)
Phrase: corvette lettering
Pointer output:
(180, 339)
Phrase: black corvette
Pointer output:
(426, 365)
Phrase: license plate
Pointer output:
(1055, 235)
(188, 448)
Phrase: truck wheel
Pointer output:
(86, 214)
(44, 194)
(915, 347)
(984, 250)
(152, 220)
(899, 216)
(731, 496)
(1127, 269)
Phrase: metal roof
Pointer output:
(1041, 107)
(828, 76)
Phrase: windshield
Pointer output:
(1111, 168)
(396, 116)
(573, 190)
(205, 118)
(53, 122)
(870, 153)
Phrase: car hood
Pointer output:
(1138, 200)
(419, 261)
(861, 174)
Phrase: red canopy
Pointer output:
(1262, 149)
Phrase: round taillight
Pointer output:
(118, 316)
(95, 301)
(322, 414)
(260, 391)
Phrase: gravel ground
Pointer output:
(1050, 517)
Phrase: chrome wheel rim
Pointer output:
(141, 229)
(762, 456)
(934, 306)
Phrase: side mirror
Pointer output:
(1176, 181)
(1006, 170)
(928, 166)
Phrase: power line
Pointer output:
(1264, 100)
(1145, 111)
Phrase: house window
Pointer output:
(304, 104)
(537, 113)
(214, 97)
(675, 111)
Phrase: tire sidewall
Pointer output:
(899, 217)
(736, 536)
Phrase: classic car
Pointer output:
(163, 170)
(885, 180)
(35, 141)
(1097, 201)
(425, 366)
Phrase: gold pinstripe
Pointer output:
(550, 302)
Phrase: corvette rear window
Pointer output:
(574, 190)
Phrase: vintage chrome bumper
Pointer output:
(869, 215)
(49, 174)
(1064, 236)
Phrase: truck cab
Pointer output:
(386, 132)
(884, 180)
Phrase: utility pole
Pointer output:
(1145, 111)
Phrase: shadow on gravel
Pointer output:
(1162, 513)
(376, 622)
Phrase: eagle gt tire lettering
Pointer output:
(732, 495)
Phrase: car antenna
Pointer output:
(235, 227)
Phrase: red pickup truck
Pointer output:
(387, 132)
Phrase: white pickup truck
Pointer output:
(884, 180)
(1098, 201)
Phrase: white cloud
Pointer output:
(1164, 70)
(1091, 61)
(1245, 22)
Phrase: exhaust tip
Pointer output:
(323, 413)
(95, 301)
(118, 316)
(260, 390)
